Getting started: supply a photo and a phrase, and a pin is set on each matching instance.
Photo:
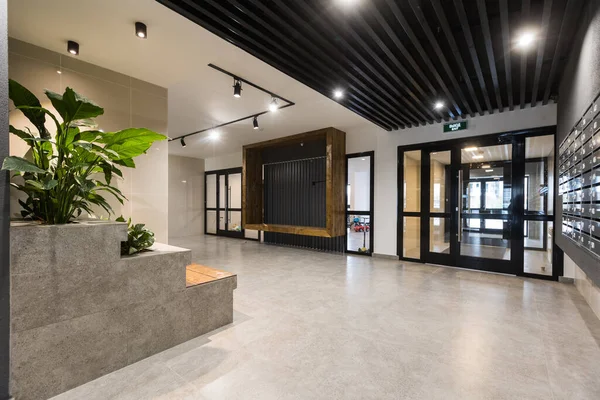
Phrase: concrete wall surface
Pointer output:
(80, 311)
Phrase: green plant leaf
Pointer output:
(130, 143)
(22, 134)
(23, 97)
(73, 107)
(13, 163)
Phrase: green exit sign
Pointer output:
(455, 126)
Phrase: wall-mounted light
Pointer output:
(237, 88)
(141, 30)
(273, 106)
(255, 122)
(73, 47)
(182, 142)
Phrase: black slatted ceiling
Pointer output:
(395, 59)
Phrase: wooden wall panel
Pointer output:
(252, 185)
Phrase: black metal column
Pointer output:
(5, 212)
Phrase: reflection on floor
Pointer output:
(312, 325)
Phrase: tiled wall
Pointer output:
(127, 102)
(186, 196)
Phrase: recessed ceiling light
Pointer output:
(526, 39)
(141, 30)
(363, 159)
(486, 166)
(338, 94)
(73, 47)
(478, 156)
(273, 106)
(470, 149)
(59, 72)
(214, 135)
(438, 105)
(489, 170)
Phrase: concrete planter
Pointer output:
(79, 310)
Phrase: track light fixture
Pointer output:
(183, 142)
(273, 106)
(73, 47)
(255, 122)
(141, 30)
(237, 88)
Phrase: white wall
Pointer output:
(233, 160)
(385, 144)
(186, 196)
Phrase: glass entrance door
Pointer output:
(230, 204)
(439, 205)
(223, 203)
(485, 229)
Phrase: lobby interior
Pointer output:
(340, 199)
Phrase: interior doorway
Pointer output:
(360, 174)
(223, 203)
(481, 203)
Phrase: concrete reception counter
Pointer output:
(80, 310)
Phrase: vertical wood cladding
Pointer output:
(304, 184)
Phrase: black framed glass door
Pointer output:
(223, 203)
(360, 175)
(480, 203)
(439, 205)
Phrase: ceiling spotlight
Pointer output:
(73, 47)
(526, 39)
(214, 135)
(255, 122)
(273, 106)
(439, 105)
(338, 94)
(470, 148)
(182, 142)
(237, 88)
(141, 30)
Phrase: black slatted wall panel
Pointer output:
(294, 194)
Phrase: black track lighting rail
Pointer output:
(247, 82)
(238, 78)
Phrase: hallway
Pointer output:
(311, 325)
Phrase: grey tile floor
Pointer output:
(310, 325)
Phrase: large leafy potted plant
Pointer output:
(69, 172)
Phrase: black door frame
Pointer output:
(370, 213)
(222, 174)
(517, 218)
